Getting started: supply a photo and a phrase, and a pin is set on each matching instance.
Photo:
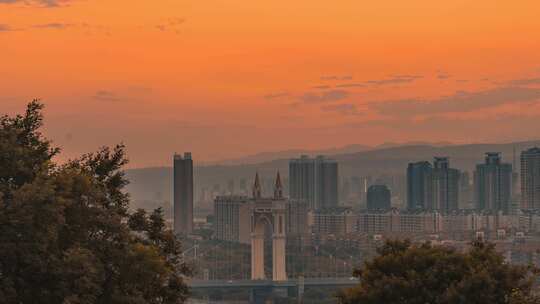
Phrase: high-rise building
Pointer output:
(445, 186)
(315, 181)
(419, 186)
(465, 191)
(432, 187)
(530, 178)
(379, 198)
(183, 193)
(232, 214)
(493, 184)
(327, 177)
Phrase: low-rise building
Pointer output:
(336, 221)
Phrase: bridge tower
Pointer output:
(268, 211)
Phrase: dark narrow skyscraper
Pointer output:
(493, 184)
(315, 181)
(419, 186)
(302, 179)
(445, 186)
(183, 193)
(326, 173)
(530, 179)
(379, 198)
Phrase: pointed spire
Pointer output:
(278, 180)
(257, 187)
(257, 181)
(278, 189)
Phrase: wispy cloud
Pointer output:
(276, 95)
(525, 81)
(459, 102)
(334, 77)
(6, 28)
(344, 109)
(350, 85)
(104, 95)
(42, 3)
(390, 80)
(443, 76)
(171, 24)
(58, 26)
(395, 79)
(329, 96)
(53, 25)
(322, 87)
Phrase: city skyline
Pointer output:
(201, 74)
(439, 187)
(307, 151)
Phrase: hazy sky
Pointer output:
(235, 77)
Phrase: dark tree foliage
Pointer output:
(420, 274)
(66, 235)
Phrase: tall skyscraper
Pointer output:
(183, 193)
(530, 178)
(326, 173)
(232, 214)
(379, 198)
(314, 180)
(419, 186)
(493, 184)
(445, 186)
(465, 191)
(432, 187)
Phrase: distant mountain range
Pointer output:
(354, 160)
(293, 153)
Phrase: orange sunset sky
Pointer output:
(229, 78)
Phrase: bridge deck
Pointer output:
(308, 282)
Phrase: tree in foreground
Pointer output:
(66, 234)
(420, 274)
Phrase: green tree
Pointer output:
(407, 273)
(66, 235)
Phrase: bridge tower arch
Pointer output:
(268, 212)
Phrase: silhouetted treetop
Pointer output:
(66, 234)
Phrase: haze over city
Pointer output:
(229, 79)
(257, 152)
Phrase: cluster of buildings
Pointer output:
(437, 187)
(433, 202)
(410, 223)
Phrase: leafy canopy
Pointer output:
(420, 274)
(66, 235)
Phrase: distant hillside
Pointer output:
(269, 156)
(293, 153)
(155, 183)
